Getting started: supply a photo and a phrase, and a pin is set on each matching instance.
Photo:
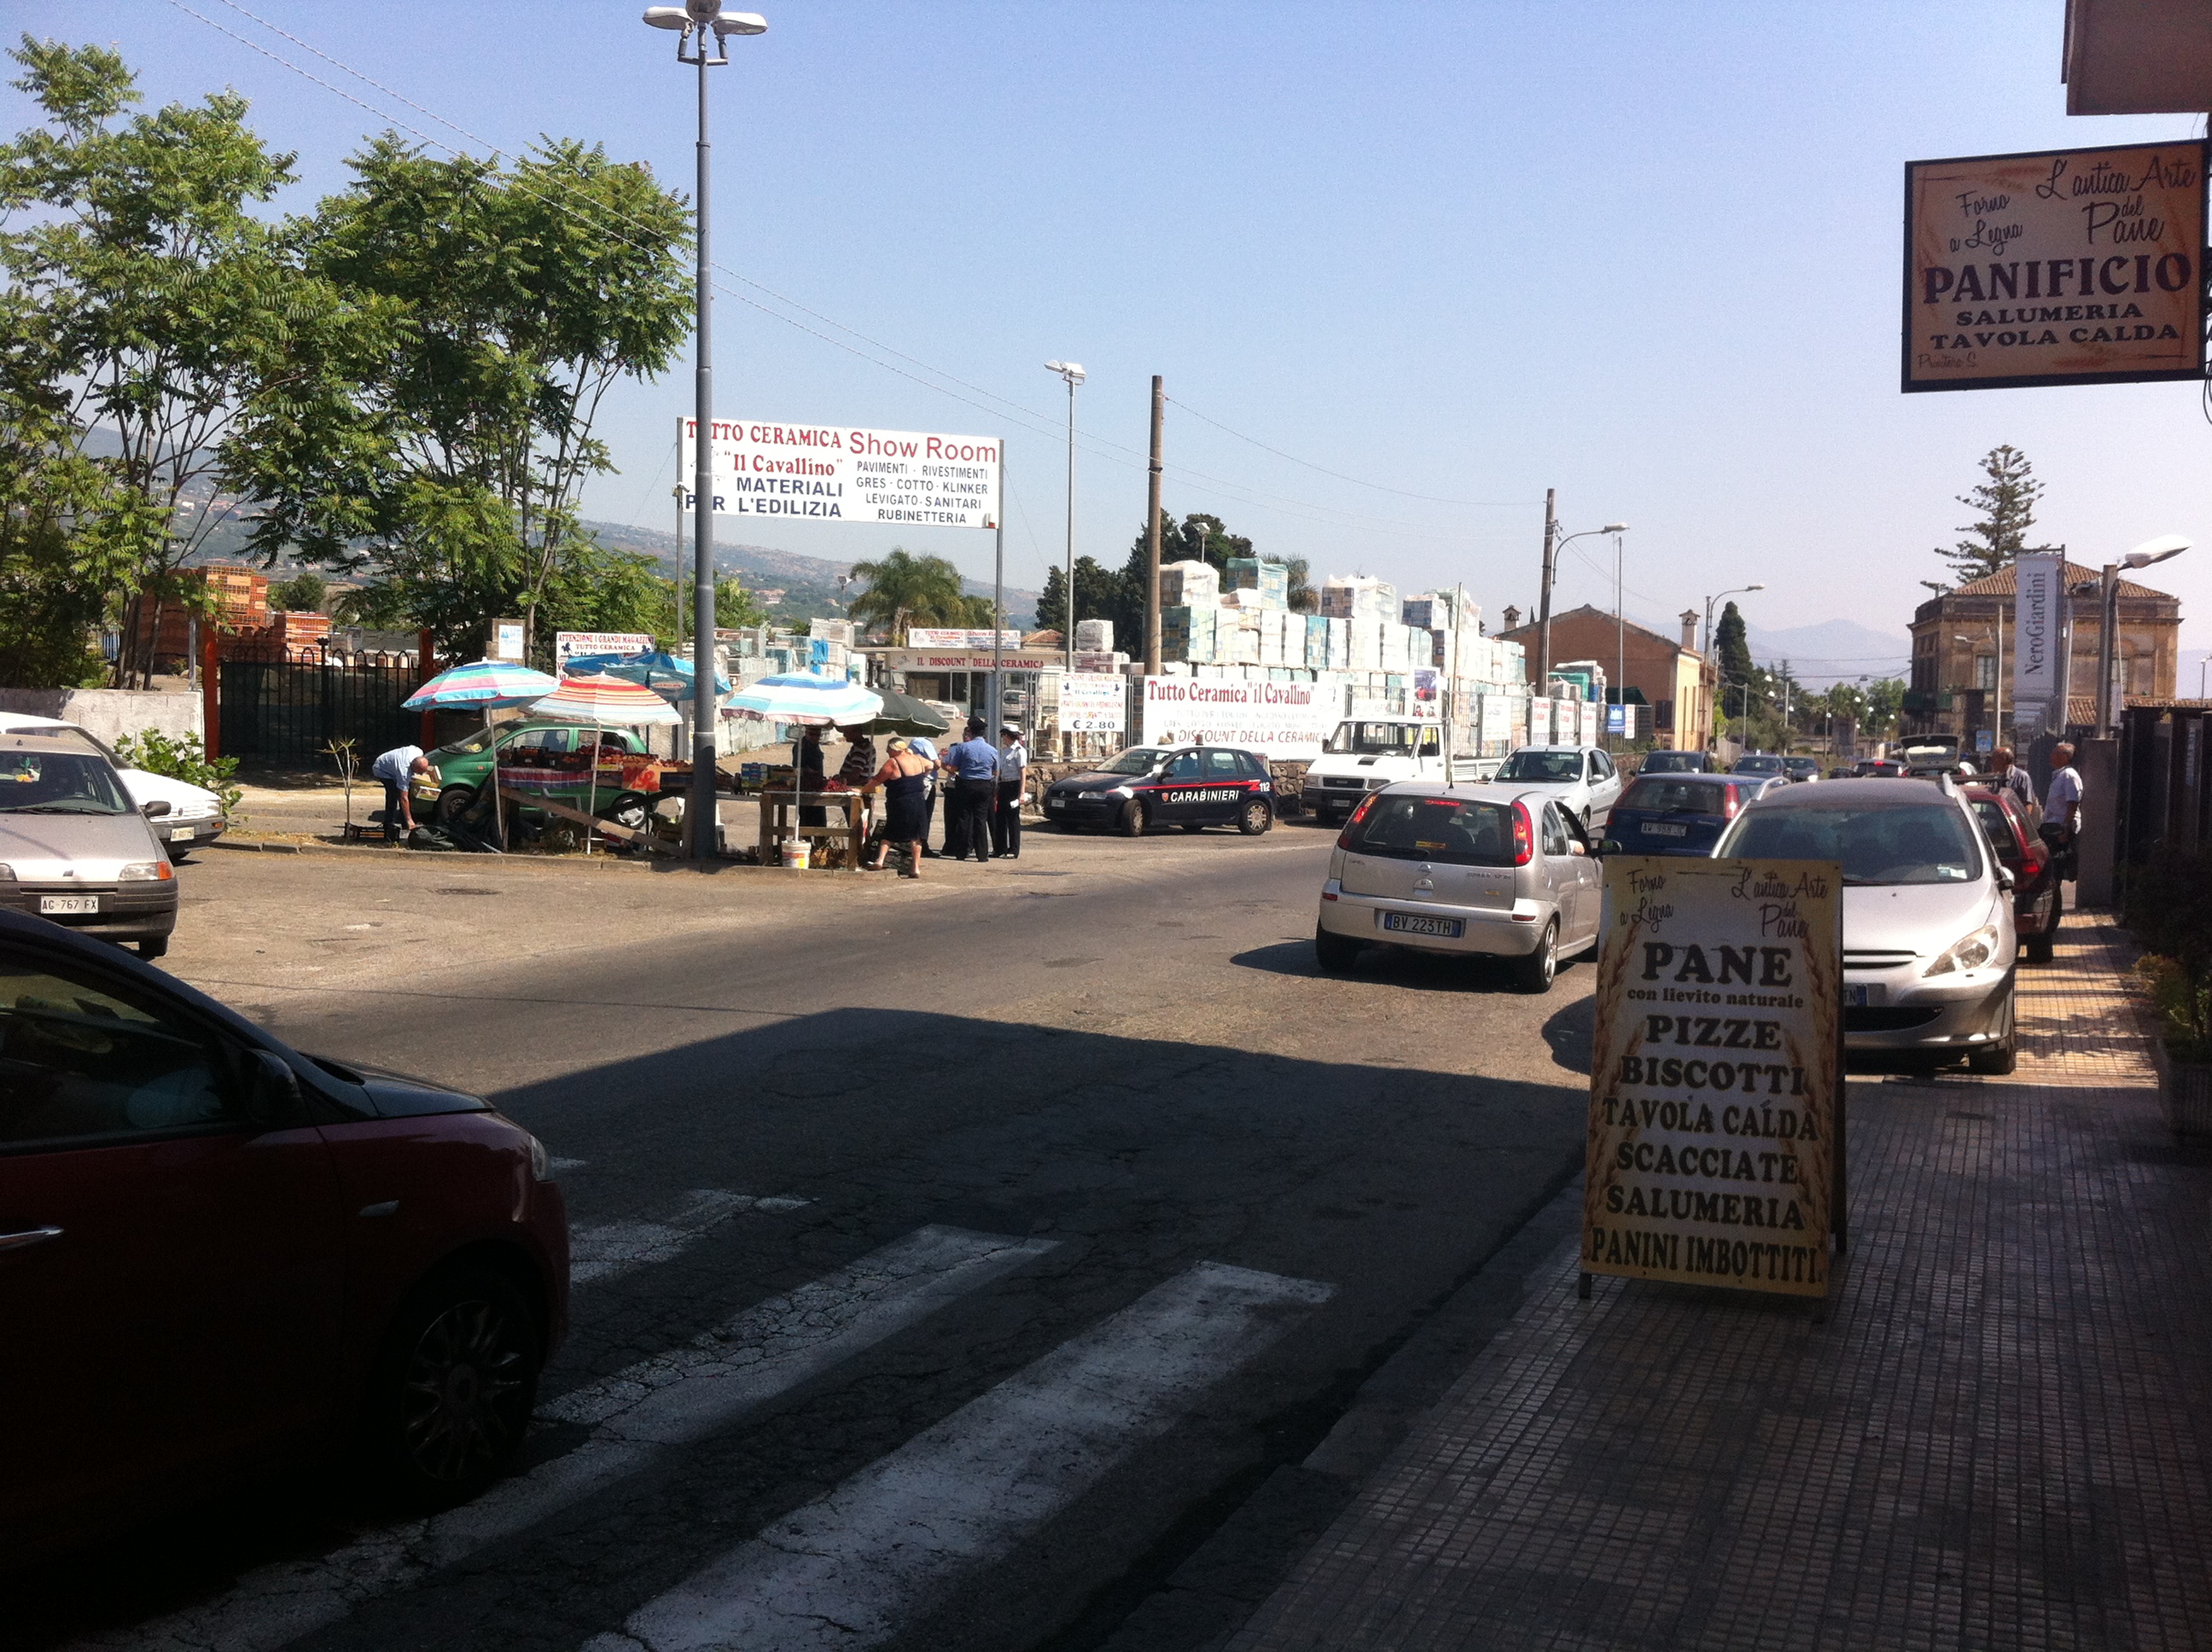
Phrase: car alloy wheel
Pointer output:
(1536, 972)
(1255, 819)
(459, 1382)
(628, 811)
(452, 802)
(1131, 822)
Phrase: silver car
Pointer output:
(74, 849)
(1580, 779)
(1499, 871)
(1928, 922)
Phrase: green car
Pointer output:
(463, 766)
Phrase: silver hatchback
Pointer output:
(1499, 871)
(73, 849)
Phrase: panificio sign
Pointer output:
(835, 473)
(1281, 719)
(2057, 267)
(2039, 628)
(1092, 702)
(1714, 1071)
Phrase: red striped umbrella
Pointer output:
(608, 702)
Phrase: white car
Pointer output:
(1580, 779)
(1366, 754)
(195, 814)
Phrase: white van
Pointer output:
(1366, 754)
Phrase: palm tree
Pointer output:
(904, 590)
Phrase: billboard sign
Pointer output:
(1715, 1073)
(940, 637)
(2056, 267)
(1092, 703)
(2039, 628)
(571, 644)
(1280, 720)
(835, 473)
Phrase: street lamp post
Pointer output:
(2151, 550)
(1619, 630)
(1073, 372)
(1559, 544)
(1718, 685)
(694, 21)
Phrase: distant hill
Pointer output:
(1833, 651)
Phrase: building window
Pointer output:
(1985, 671)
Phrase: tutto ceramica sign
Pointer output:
(2058, 267)
(837, 473)
(1716, 1073)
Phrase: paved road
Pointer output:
(952, 1256)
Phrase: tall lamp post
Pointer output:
(1620, 628)
(2151, 550)
(1560, 544)
(1073, 372)
(694, 21)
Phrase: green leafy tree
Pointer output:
(2006, 501)
(183, 326)
(1198, 537)
(303, 593)
(1885, 703)
(1303, 599)
(51, 600)
(901, 589)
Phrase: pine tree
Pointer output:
(2006, 503)
(1732, 647)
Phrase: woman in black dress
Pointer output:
(903, 778)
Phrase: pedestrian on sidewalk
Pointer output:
(1006, 817)
(926, 748)
(2006, 775)
(397, 768)
(2062, 809)
(903, 778)
(973, 766)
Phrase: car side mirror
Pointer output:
(2005, 879)
(1575, 846)
(272, 1090)
(1609, 846)
(158, 806)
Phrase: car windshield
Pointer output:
(1758, 766)
(1678, 797)
(1372, 740)
(1451, 830)
(59, 783)
(1674, 763)
(1911, 843)
(1136, 760)
(470, 746)
(1529, 764)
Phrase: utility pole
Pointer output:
(1153, 535)
(2108, 593)
(1619, 641)
(1543, 683)
(703, 811)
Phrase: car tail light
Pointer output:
(1524, 835)
(1344, 837)
(1729, 803)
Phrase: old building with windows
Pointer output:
(1963, 651)
(1670, 676)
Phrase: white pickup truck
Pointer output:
(1366, 754)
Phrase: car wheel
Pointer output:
(453, 1387)
(1995, 1061)
(1536, 972)
(1256, 818)
(1336, 954)
(1131, 822)
(452, 802)
(627, 810)
(153, 948)
(2040, 947)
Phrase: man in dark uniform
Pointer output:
(974, 767)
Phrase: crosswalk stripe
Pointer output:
(636, 1415)
(603, 1250)
(855, 1567)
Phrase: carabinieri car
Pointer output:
(1188, 785)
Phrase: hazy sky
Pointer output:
(1646, 254)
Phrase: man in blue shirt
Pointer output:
(926, 748)
(973, 766)
(397, 768)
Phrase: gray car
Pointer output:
(1928, 913)
(73, 849)
(1498, 871)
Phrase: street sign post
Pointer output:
(1716, 1148)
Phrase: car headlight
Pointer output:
(1120, 791)
(1974, 953)
(145, 871)
(541, 1162)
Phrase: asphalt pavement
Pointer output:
(955, 1258)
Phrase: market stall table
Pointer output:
(779, 821)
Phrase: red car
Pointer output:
(220, 1258)
(2039, 898)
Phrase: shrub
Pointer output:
(181, 759)
(2170, 910)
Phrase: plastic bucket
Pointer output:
(794, 852)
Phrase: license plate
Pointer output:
(1859, 997)
(1056, 803)
(1661, 829)
(68, 904)
(182, 833)
(1417, 923)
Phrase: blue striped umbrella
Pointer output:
(804, 697)
(665, 673)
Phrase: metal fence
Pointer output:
(282, 713)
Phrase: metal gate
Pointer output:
(282, 713)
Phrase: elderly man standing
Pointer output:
(973, 766)
(397, 768)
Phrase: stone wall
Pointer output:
(108, 715)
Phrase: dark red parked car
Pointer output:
(220, 1258)
(2039, 897)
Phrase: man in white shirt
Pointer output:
(1007, 817)
(2062, 807)
(397, 768)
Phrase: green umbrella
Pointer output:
(904, 714)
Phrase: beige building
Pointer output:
(1958, 637)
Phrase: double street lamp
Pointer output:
(693, 23)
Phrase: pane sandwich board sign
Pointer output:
(1716, 1073)
(2058, 267)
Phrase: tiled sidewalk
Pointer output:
(2002, 1438)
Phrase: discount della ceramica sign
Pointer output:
(2062, 267)
(837, 473)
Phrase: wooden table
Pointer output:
(779, 821)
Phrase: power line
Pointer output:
(1362, 482)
